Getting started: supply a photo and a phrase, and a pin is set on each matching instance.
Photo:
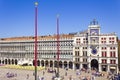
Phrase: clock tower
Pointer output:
(93, 44)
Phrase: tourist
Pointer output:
(43, 72)
(65, 73)
(39, 78)
(27, 76)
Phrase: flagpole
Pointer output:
(58, 52)
(35, 53)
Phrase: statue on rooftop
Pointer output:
(94, 22)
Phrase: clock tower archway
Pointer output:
(94, 64)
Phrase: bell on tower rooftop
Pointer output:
(94, 22)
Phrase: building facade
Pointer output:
(95, 50)
(87, 49)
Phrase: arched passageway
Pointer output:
(94, 64)
(65, 64)
(42, 63)
(33, 62)
(8, 61)
(77, 65)
(85, 66)
(55, 63)
(38, 62)
(60, 64)
(16, 61)
(5, 61)
(12, 61)
(46, 63)
(51, 63)
(70, 64)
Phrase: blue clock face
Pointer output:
(94, 51)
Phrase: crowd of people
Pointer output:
(115, 76)
(68, 74)
(9, 75)
(92, 74)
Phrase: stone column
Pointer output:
(81, 66)
(73, 66)
(67, 65)
(48, 63)
(63, 65)
(117, 68)
(89, 66)
(53, 65)
(108, 68)
(44, 64)
(99, 67)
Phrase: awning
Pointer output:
(22, 62)
(112, 67)
(25, 62)
(30, 62)
(19, 62)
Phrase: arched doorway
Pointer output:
(85, 66)
(77, 65)
(51, 63)
(42, 63)
(33, 62)
(55, 63)
(65, 64)
(5, 61)
(70, 65)
(12, 61)
(46, 63)
(60, 64)
(94, 64)
(104, 67)
(8, 61)
(16, 62)
(38, 62)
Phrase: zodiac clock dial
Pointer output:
(94, 51)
